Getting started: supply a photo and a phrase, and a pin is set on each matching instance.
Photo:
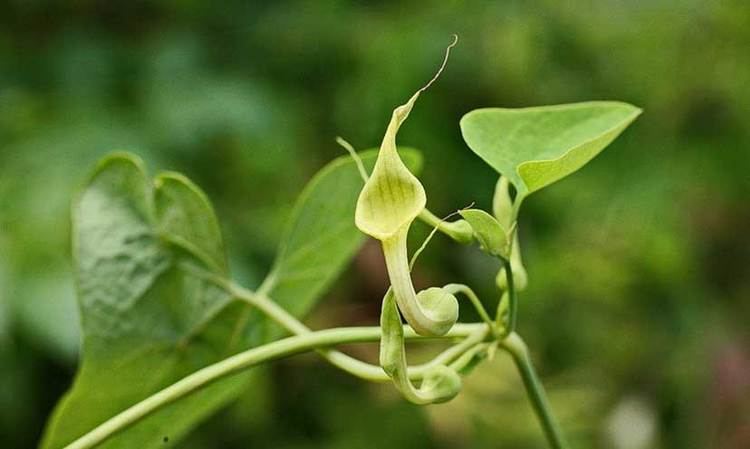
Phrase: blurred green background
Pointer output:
(638, 310)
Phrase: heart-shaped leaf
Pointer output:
(148, 319)
(537, 146)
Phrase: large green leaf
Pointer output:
(147, 319)
(537, 146)
(321, 236)
(148, 316)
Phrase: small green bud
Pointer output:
(520, 278)
(502, 205)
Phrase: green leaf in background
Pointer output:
(321, 237)
(537, 146)
(147, 319)
(488, 231)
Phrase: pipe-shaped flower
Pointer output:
(392, 197)
(389, 202)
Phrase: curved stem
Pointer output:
(512, 299)
(469, 293)
(502, 307)
(343, 361)
(466, 359)
(458, 230)
(455, 353)
(244, 360)
(534, 389)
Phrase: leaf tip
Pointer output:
(116, 158)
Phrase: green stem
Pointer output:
(244, 360)
(345, 362)
(458, 230)
(502, 307)
(351, 365)
(468, 356)
(512, 299)
(534, 389)
(469, 293)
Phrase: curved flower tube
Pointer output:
(439, 384)
(389, 202)
(430, 312)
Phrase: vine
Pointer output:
(153, 279)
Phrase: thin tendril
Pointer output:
(424, 245)
(357, 160)
(429, 237)
(442, 66)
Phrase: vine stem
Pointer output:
(458, 230)
(244, 360)
(518, 350)
(469, 293)
(512, 299)
(345, 362)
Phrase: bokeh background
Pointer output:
(638, 309)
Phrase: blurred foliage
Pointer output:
(639, 265)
